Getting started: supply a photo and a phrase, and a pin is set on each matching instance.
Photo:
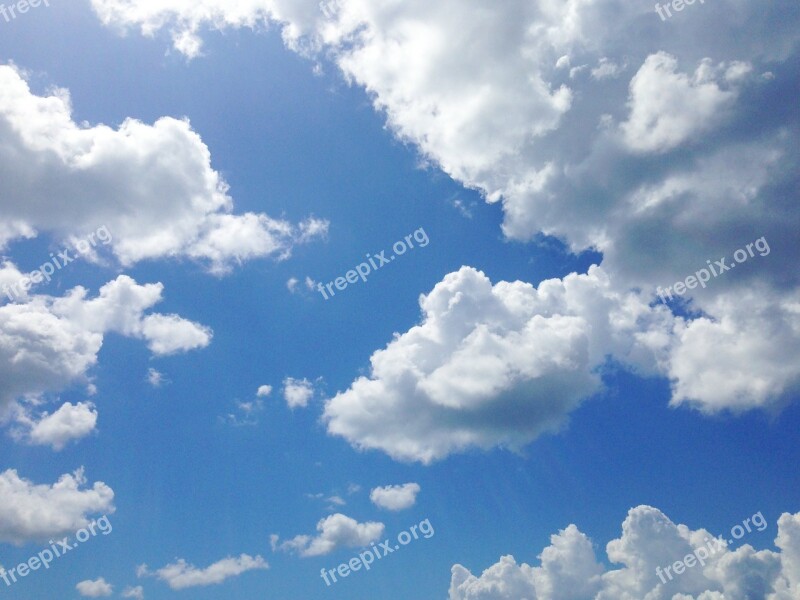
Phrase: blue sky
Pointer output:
(278, 143)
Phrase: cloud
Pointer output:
(264, 391)
(49, 343)
(297, 392)
(34, 512)
(152, 186)
(569, 570)
(98, 588)
(181, 575)
(246, 413)
(395, 497)
(496, 365)
(335, 531)
(155, 378)
(134, 592)
(68, 423)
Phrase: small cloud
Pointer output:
(335, 531)
(264, 391)
(246, 413)
(291, 285)
(297, 392)
(462, 207)
(607, 69)
(395, 497)
(181, 575)
(134, 592)
(69, 423)
(98, 588)
(353, 488)
(155, 378)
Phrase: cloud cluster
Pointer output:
(334, 531)
(152, 186)
(593, 121)
(569, 569)
(35, 512)
(182, 575)
(49, 343)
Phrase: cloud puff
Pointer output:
(335, 531)
(496, 365)
(569, 569)
(297, 392)
(33, 512)
(134, 592)
(48, 343)
(68, 423)
(264, 391)
(152, 186)
(181, 575)
(395, 497)
(98, 588)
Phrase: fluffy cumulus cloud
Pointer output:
(297, 392)
(151, 186)
(569, 569)
(49, 343)
(182, 575)
(496, 364)
(395, 497)
(593, 121)
(335, 531)
(99, 588)
(68, 423)
(33, 512)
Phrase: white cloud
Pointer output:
(152, 186)
(495, 365)
(137, 593)
(395, 497)
(32, 512)
(49, 343)
(297, 392)
(181, 575)
(98, 588)
(569, 569)
(335, 531)
(68, 423)
(155, 378)
(264, 391)
(292, 284)
(246, 413)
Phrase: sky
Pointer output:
(459, 300)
